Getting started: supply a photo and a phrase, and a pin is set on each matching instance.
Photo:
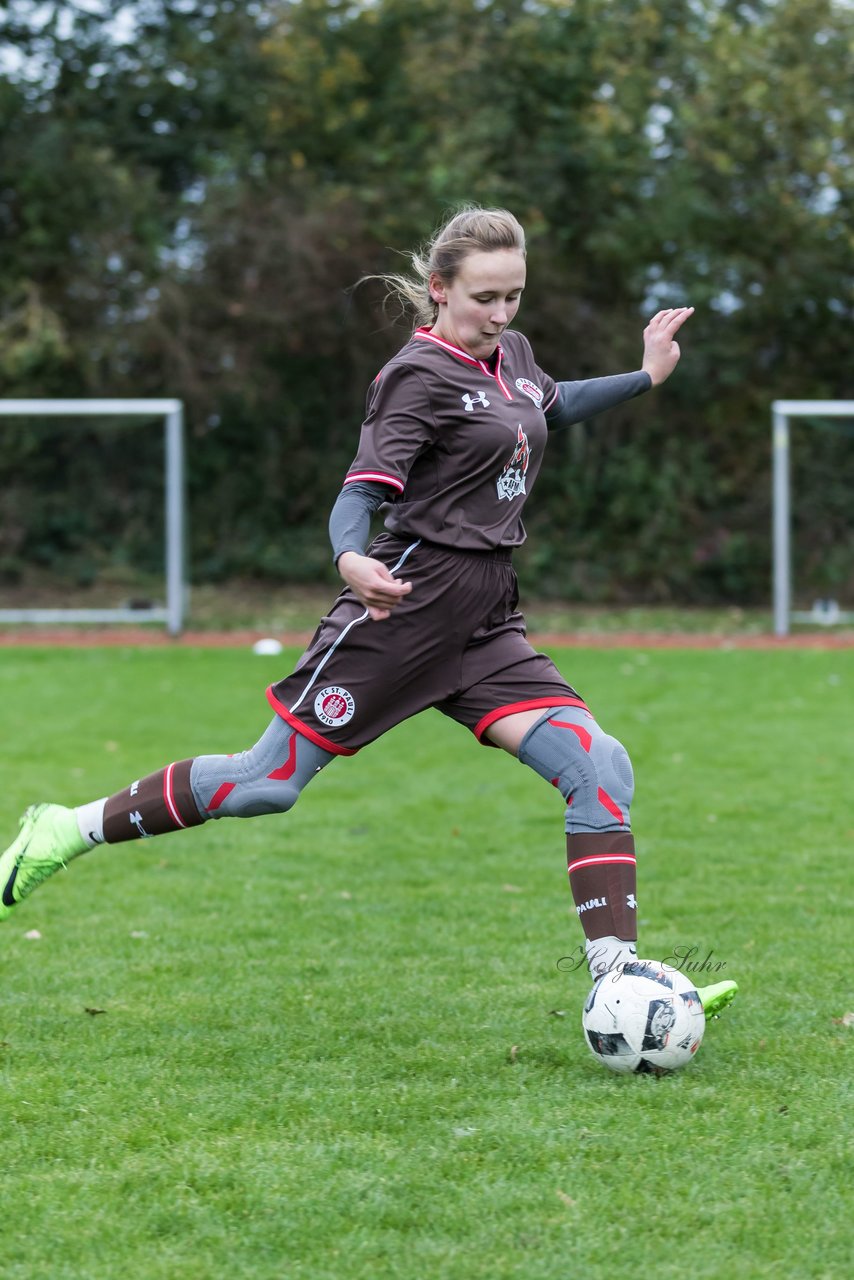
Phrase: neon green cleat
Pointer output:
(49, 838)
(716, 997)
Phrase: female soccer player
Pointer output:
(452, 443)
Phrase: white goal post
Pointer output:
(172, 413)
(782, 412)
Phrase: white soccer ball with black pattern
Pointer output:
(646, 1017)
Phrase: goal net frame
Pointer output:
(783, 411)
(172, 413)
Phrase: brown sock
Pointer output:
(603, 879)
(152, 806)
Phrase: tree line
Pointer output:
(190, 192)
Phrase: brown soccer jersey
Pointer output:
(460, 440)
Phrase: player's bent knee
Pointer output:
(621, 775)
(268, 778)
(590, 768)
(255, 801)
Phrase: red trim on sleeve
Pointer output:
(532, 704)
(312, 734)
(379, 476)
(548, 406)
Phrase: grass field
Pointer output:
(274, 610)
(339, 1044)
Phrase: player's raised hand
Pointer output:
(660, 349)
(372, 583)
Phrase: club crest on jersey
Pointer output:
(334, 706)
(530, 389)
(511, 482)
(470, 401)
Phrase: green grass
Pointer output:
(337, 1044)
(272, 610)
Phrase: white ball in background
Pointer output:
(267, 648)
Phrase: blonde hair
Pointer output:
(468, 230)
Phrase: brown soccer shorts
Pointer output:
(456, 642)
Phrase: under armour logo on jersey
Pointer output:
(471, 401)
(631, 902)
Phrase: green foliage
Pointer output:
(187, 204)
(335, 1046)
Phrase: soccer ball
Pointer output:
(645, 1017)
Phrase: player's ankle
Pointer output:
(605, 955)
(90, 822)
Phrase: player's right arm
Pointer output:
(349, 530)
(371, 581)
(397, 427)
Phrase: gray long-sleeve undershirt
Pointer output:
(350, 518)
(577, 401)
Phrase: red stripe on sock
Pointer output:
(169, 797)
(601, 858)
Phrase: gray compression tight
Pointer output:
(591, 769)
(267, 778)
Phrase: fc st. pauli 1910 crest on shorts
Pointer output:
(334, 706)
(511, 482)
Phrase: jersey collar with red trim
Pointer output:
(428, 336)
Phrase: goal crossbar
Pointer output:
(782, 412)
(172, 413)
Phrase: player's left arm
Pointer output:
(660, 349)
(577, 401)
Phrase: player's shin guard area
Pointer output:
(593, 773)
(151, 806)
(603, 877)
(267, 778)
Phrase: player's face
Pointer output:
(480, 302)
